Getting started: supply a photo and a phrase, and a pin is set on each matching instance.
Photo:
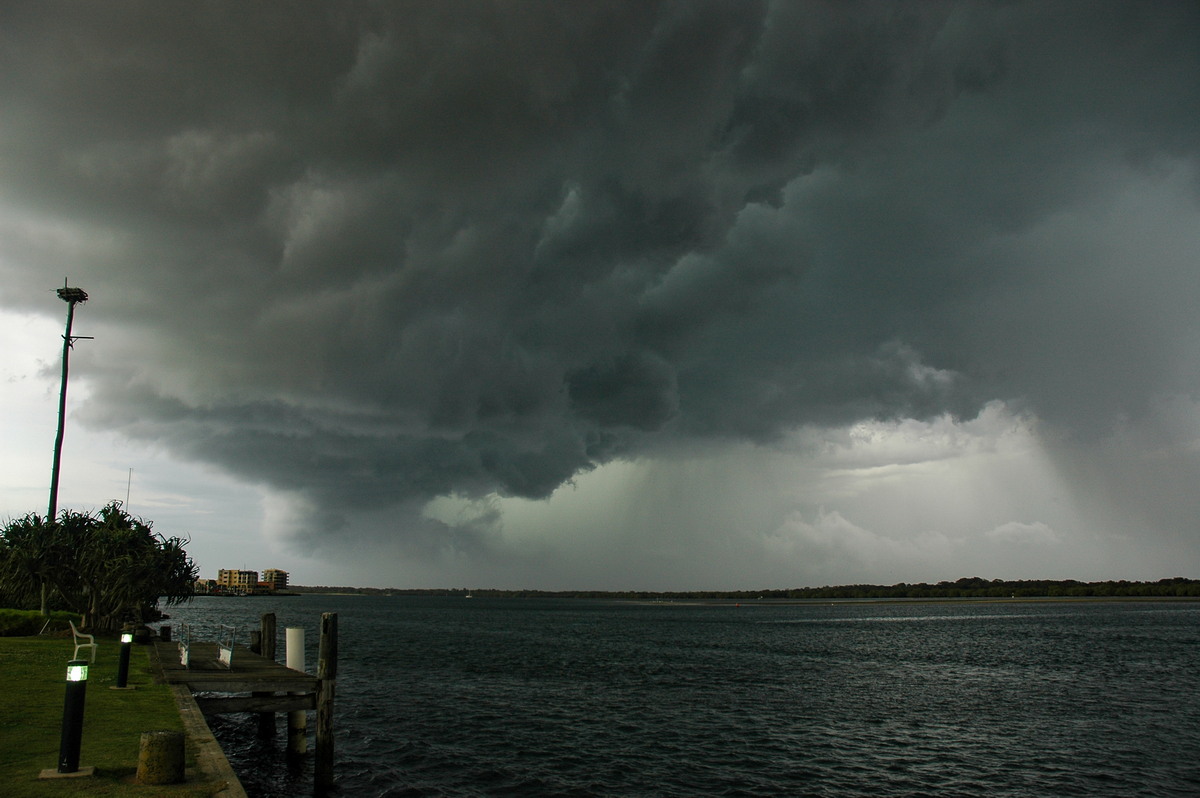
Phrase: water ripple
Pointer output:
(538, 698)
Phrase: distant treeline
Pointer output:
(967, 587)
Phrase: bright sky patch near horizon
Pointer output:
(612, 295)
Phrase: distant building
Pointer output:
(277, 579)
(237, 581)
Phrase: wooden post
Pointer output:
(326, 677)
(267, 626)
(266, 643)
(297, 745)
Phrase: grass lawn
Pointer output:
(32, 687)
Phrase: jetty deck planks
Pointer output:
(250, 673)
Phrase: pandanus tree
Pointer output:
(26, 560)
(108, 567)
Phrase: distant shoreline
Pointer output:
(251, 595)
(972, 588)
(784, 602)
(917, 600)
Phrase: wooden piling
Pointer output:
(326, 679)
(266, 638)
(267, 628)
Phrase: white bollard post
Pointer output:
(297, 719)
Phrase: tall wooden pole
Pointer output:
(71, 296)
(52, 512)
(326, 677)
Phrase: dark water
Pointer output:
(483, 697)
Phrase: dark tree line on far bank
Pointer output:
(967, 587)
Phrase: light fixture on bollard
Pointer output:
(123, 662)
(72, 724)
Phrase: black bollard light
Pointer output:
(72, 725)
(123, 663)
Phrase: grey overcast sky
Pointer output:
(612, 295)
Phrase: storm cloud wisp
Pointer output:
(372, 256)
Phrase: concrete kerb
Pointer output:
(211, 763)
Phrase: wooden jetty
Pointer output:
(245, 680)
(250, 673)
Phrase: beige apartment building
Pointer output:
(277, 579)
(237, 581)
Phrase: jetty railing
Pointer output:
(185, 643)
(225, 645)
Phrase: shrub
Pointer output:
(20, 623)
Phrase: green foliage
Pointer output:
(26, 560)
(30, 622)
(108, 567)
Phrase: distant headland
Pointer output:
(967, 587)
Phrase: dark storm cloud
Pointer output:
(380, 252)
